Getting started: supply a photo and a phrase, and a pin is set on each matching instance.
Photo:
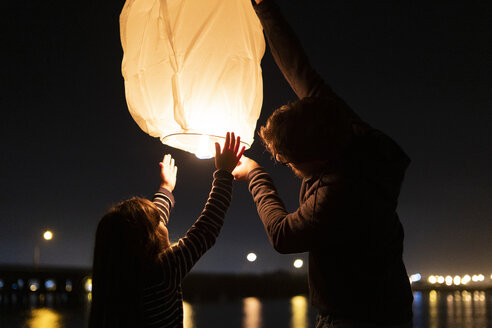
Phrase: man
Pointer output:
(352, 176)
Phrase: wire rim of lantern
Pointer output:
(163, 139)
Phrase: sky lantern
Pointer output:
(192, 70)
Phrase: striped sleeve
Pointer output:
(202, 235)
(164, 200)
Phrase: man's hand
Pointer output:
(230, 155)
(245, 166)
(168, 173)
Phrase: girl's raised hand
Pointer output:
(168, 172)
(228, 158)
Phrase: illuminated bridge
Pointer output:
(27, 285)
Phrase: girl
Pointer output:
(137, 273)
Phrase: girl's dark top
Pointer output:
(162, 300)
(347, 221)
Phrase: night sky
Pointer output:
(418, 70)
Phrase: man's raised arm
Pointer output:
(288, 53)
(290, 57)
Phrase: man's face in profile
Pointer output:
(301, 170)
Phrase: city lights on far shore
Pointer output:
(415, 277)
(455, 280)
(48, 235)
(466, 279)
(298, 263)
(478, 277)
(251, 257)
(33, 286)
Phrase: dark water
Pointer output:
(432, 309)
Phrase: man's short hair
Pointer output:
(308, 129)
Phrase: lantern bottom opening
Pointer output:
(200, 144)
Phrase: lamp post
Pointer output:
(47, 235)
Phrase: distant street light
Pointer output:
(251, 257)
(47, 235)
(298, 263)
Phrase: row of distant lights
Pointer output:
(298, 263)
(33, 285)
(49, 285)
(450, 280)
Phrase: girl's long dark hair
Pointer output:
(127, 244)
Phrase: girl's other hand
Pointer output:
(168, 173)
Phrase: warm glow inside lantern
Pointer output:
(192, 70)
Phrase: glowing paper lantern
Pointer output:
(192, 70)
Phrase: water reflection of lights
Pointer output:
(466, 296)
(188, 316)
(450, 308)
(252, 317)
(299, 307)
(476, 296)
(433, 311)
(466, 309)
(88, 285)
(432, 296)
(42, 318)
(417, 297)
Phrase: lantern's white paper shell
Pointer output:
(192, 68)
